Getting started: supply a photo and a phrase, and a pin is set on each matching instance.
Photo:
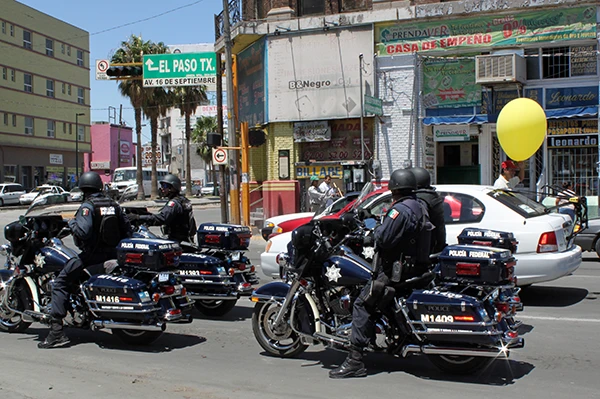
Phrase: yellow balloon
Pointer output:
(521, 128)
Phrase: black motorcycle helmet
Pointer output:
(172, 182)
(402, 180)
(90, 181)
(422, 175)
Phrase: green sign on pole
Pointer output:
(373, 105)
(181, 69)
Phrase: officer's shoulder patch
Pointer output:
(393, 213)
(171, 203)
(85, 212)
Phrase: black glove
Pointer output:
(133, 217)
(368, 241)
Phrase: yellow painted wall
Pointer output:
(280, 138)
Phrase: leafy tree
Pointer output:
(132, 50)
(187, 99)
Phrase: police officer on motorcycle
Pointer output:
(402, 244)
(176, 217)
(435, 207)
(97, 228)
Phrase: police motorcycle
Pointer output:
(460, 331)
(35, 254)
(216, 272)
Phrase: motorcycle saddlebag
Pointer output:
(224, 236)
(441, 316)
(477, 264)
(489, 238)
(204, 275)
(149, 254)
(118, 297)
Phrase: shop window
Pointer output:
(10, 173)
(50, 47)
(555, 63)
(28, 83)
(27, 39)
(532, 59)
(29, 125)
(577, 166)
(562, 62)
(309, 7)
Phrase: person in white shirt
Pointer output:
(509, 178)
(327, 187)
(316, 197)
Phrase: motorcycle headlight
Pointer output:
(5, 250)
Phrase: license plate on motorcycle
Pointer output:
(235, 255)
(162, 277)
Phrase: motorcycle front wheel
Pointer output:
(214, 308)
(460, 364)
(282, 341)
(136, 337)
(12, 322)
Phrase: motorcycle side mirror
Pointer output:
(22, 220)
(370, 223)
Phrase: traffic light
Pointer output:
(125, 71)
(256, 137)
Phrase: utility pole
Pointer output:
(223, 181)
(362, 109)
(231, 127)
(119, 136)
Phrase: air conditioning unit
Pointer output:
(500, 68)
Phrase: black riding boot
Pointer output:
(57, 337)
(352, 366)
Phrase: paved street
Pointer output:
(219, 358)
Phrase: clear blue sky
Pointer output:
(192, 23)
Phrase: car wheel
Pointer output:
(1, 202)
(597, 246)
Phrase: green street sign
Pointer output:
(373, 105)
(181, 69)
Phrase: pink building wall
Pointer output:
(106, 150)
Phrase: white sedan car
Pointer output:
(543, 252)
(44, 189)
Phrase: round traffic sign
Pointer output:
(219, 156)
(103, 65)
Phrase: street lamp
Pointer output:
(77, 146)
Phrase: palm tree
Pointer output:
(188, 99)
(132, 50)
(205, 125)
(156, 103)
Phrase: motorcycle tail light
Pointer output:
(231, 272)
(468, 269)
(125, 299)
(464, 318)
(212, 239)
(502, 307)
(183, 291)
(171, 258)
(241, 266)
(133, 258)
(303, 282)
(156, 297)
(512, 334)
(168, 289)
(205, 272)
(252, 269)
(484, 243)
(174, 312)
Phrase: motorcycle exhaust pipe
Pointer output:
(213, 297)
(451, 351)
(115, 325)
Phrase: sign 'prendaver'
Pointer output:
(181, 69)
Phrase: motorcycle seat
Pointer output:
(416, 282)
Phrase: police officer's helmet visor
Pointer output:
(165, 185)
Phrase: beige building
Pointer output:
(44, 97)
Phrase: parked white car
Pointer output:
(10, 193)
(208, 189)
(44, 189)
(543, 253)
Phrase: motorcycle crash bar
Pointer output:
(453, 351)
(114, 325)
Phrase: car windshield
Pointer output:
(124, 175)
(519, 203)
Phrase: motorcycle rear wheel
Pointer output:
(460, 364)
(283, 342)
(12, 322)
(214, 308)
(136, 337)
